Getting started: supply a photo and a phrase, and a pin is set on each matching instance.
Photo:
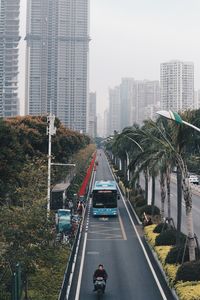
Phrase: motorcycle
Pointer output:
(100, 285)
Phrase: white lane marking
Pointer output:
(141, 244)
(81, 269)
(92, 253)
(78, 288)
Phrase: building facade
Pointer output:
(9, 40)
(92, 116)
(57, 60)
(114, 111)
(138, 100)
(177, 85)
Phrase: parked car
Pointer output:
(193, 179)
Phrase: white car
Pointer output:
(194, 179)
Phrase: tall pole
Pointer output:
(51, 130)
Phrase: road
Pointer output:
(195, 200)
(114, 243)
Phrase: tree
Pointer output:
(12, 159)
(27, 235)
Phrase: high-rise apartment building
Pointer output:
(177, 85)
(57, 60)
(146, 99)
(126, 100)
(9, 40)
(137, 99)
(114, 110)
(92, 116)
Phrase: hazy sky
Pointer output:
(131, 38)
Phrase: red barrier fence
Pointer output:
(86, 180)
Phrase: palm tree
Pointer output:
(166, 144)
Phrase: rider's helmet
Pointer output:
(100, 266)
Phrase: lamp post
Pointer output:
(175, 117)
(51, 130)
(185, 182)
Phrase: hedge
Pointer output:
(185, 290)
(175, 255)
(189, 271)
(161, 227)
(188, 290)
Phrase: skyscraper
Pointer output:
(92, 116)
(9, 40)
(177, 85)
(126, 100)
(114, 110)
(57, 60)
(138, 99)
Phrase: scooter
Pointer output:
(99, 285)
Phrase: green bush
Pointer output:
(140, 202)
(120, 173)
(161, 227)
(148, 210)
(175, 255)
(166, 238)
(189, 271)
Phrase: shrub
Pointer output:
(188, 290)
(167, 237)
(161, 227)
(189, 271)
(150, 236)
(148, 210)
(162, 252)
(139, 201)
(175, 255)
(171, 271)
(120, 173)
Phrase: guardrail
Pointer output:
(63, 291)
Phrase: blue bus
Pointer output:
(104, 198)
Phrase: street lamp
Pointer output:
(51, 130)
(175, 117)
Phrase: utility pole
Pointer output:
(51, 130)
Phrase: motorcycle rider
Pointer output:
(100, 272)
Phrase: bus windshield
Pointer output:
(104, 198)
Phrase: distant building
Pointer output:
(57, 60)
(114, 111)
(138, 98)
(126, 101)
(196, 99)
(9, 40)
(105, 123)
(146, 98)
(100, 126)
(177, 85)
(92, 117)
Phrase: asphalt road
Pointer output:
(114, 243)
(195, 210)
